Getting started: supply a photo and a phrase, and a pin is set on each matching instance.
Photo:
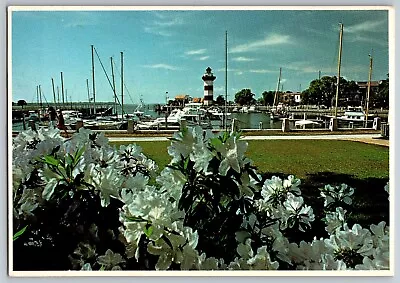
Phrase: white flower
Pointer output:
(296, 210)
(110, 259)
(340, 193)
(168, 252)
(201, 156)
(262, 260)
(232, 152)
(335, 220)
(181, 145)
(172, 182)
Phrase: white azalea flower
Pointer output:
(335, 220)
(262, 260)
(334, 194)
(110, 259)
(232, 152)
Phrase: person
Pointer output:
(52, 116)
(61, 122)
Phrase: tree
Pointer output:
(323, 91)
(244, 97)
(21, 103)
(381, 98)
(268, 97)
(220, 100)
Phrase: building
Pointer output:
(181, 99)
(208, 79)
(291, 98)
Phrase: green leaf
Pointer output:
(102, 268)
(48, 159)
(69, 159)
(148, 231)
(185, 165)
(19, 233)
(79, 153)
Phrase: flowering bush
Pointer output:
(92, 206)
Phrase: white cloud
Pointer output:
(162, 66)
(163, 25)
(229, 70)
(370, 26)
(243, 59)
(261, 71)
(368, 39)
(272, 39)
(203, 58)
(196, 52)
(157, 31)
(173, 22)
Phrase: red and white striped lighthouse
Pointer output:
(208, 79)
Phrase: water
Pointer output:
(245, 120)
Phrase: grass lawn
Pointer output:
(364, 167)
(301, 157)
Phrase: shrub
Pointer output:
(79, 203)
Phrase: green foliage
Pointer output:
(220, 100)
(323, 91)
(268, 97)
(381, 98)
(244, 97)
(19, 233)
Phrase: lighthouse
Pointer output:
(208, 79)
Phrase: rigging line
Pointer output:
(126, 88)
(104, 70)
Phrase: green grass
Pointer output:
(301, 157)
(364, 167)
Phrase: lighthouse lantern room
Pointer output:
(208, 79)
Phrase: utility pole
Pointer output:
(339, 63)
(319, 75)
(122, 85)
(369, 89)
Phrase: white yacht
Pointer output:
(353, 114)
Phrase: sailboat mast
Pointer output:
(58, 94)
(38, 101)
(277, 87)
(339, 63)
(62, 87)
(226, 80)
(113, 84)
(93, 86)
(88, 95)
(54, 93)
(122, 85)
(369, 89)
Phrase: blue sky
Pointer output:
(170, 50)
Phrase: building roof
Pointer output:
(197, 99)
(181, 97)
(365, 84)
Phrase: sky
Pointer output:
(168, 51)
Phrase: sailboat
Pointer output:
(277, 111)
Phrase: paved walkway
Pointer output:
(366, 138)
